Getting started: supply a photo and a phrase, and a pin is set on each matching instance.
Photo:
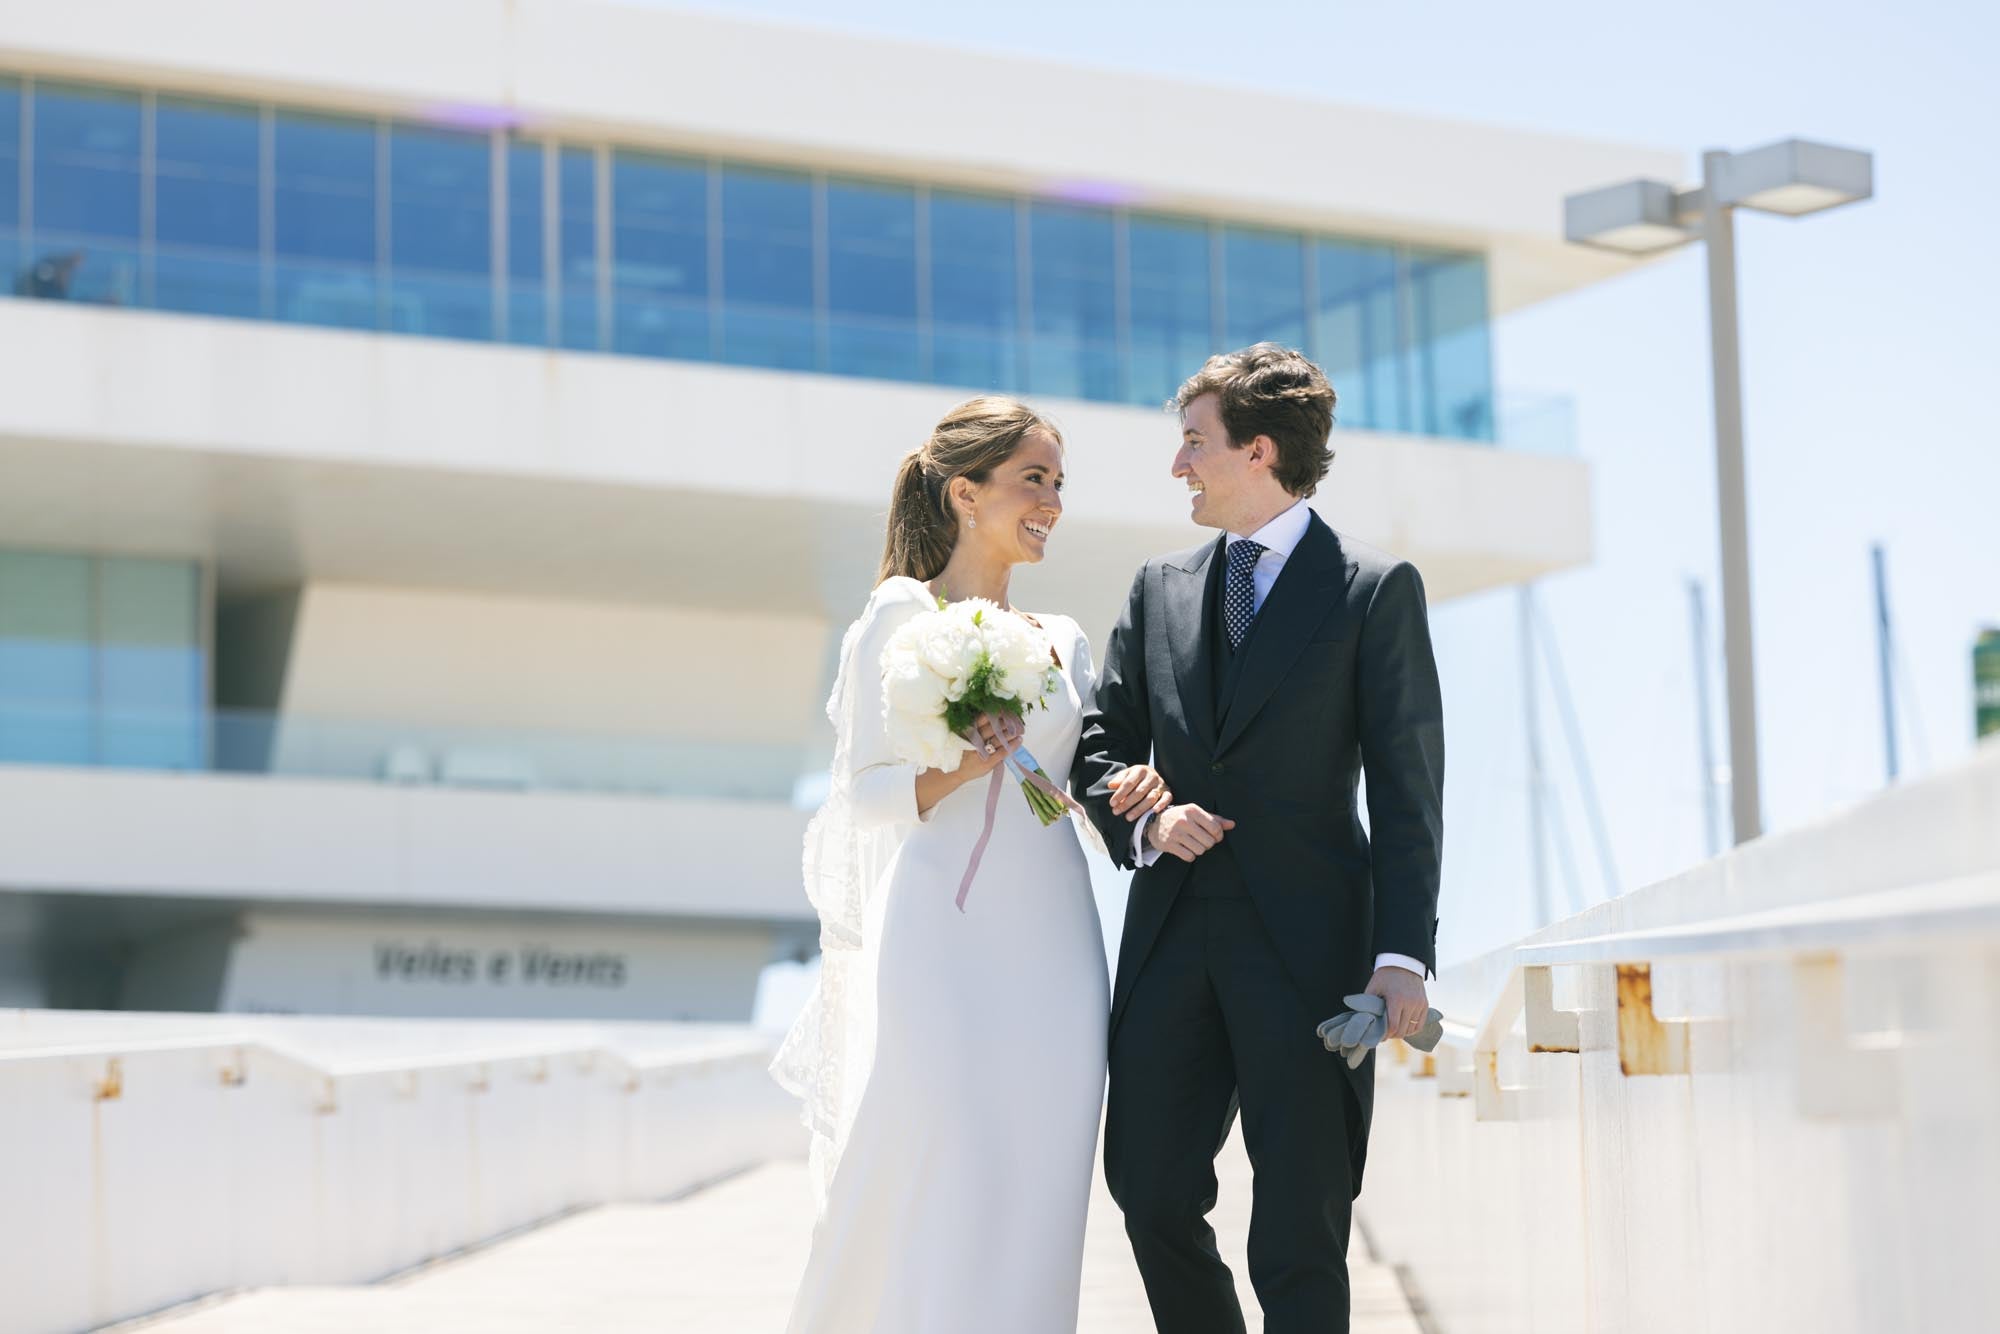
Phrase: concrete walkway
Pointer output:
(721, 1261)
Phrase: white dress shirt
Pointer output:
(1279, 538)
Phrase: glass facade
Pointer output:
(10, 178)
(872, 281)
(440, 208)
(101, 661)
(256, 210)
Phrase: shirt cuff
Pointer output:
(1143, 854)
(1401, 961)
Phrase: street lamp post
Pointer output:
(1641, 217)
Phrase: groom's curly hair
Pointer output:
(1272, 390)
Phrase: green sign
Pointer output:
(1986, 682)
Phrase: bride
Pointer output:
(952, 1063)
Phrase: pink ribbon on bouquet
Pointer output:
(1028, 775)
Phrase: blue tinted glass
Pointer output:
(871, 281)
(767, 269)
(1263, 287)
(576, 185)
(527, 291)
(150, 669)
(1448, 296)
(1075, 302)
(440, 232)
(659, 244)
(205, 209)
(10, 182)
(975, 321)
(1356, 335)
(1173, 321)
(86, 167)
(326, 220)
(46, 682)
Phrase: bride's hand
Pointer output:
(1138, 790)
(995, 736)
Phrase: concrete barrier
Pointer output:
(149, 1159)
(1764, 1095)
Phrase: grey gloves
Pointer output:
(1355, 1031)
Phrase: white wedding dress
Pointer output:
(952, 1063)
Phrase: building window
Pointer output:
(46, 679)
(101, 661)
(440, 232)
(975, 296)
(527, 244)
(659, 240)
(235, 209)
(871, 281)
(327, 227)
(86, 195)
(1173, 317)
(1357, 333)
(10, 183)
(576, 204)
(1074, 302)
(1263, 287)
(151, 675)
(1448, 301)
(767, 269)
(207, 232)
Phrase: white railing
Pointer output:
(1764, 1095)
(138, 1173)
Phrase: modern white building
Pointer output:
(441, 443)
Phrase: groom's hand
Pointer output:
(1402, 993)
(1186, 831)
(1137, 790)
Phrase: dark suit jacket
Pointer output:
(1336, 676)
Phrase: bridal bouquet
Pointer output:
(944, 668)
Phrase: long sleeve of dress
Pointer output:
(883, 790)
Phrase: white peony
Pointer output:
(950, 645)
(914, 695)
(924, 741)
(1020, 653)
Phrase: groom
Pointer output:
(1262, 673)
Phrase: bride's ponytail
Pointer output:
(973, 439)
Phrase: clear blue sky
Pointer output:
(1869, 359)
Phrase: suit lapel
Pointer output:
(1298, 602)
(1187, 592)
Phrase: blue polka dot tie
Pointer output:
(1239, 594)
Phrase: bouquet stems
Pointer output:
(1047, 807)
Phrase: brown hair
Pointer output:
(971, 441)
(1268, 389)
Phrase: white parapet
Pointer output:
(150, 1159)
(1764, 1095)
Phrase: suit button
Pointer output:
(1216, 768)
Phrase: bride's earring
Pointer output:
(972, 523)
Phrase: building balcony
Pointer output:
(285, 456)
(268, 808)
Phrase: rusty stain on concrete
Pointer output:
(1645, 1045)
